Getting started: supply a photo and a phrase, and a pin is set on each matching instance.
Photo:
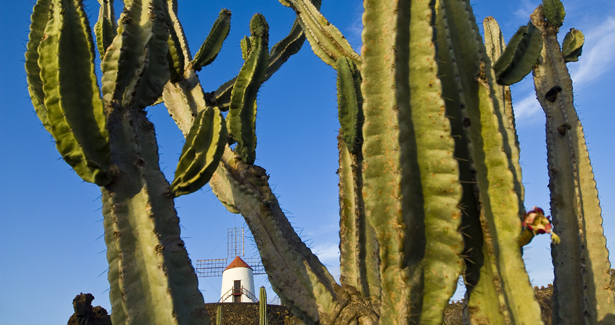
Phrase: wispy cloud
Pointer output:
(598, 54)
(327, 253)
(354, 30)
(527, 108)
(527, 7)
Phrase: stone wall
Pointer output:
(246, 313)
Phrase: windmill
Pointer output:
(234, 247)
(238, 279)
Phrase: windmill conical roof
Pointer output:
(237, 262)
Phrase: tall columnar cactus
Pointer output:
(430, 182)
(583, 291)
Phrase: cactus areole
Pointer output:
(430, 182)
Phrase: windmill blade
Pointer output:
(210, 268)
(256, 265)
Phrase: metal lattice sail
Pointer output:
(235, 247)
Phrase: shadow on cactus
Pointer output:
(430, 183)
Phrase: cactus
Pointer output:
(430, 182)
(582, 282)
(219, 316)
(262, 308)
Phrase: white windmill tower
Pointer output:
(238, 275)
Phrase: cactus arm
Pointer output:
(213, 43)
(519, 57)
(241, 118)
(326, 40)
(201, 153)
(177, 30)
(140, 73)
(40, 16)
(410, 177)
(279, 54)
(74, 108)
(482, 119)
(581, 259)
(573, 45)
(203, 148)
(106, 27)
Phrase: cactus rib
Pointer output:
(40, 16)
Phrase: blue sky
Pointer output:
(51, 247)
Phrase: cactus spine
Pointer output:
(582, 292)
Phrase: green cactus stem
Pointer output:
(71, 104)
(519, 57)
(554, 12)
(201, 153)
(219, 316)
(349, 103)
(573, 45)
(213, 43)
(106, 26)
(262, 308)
(241, 118)
(326, 40)
(581, 286)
